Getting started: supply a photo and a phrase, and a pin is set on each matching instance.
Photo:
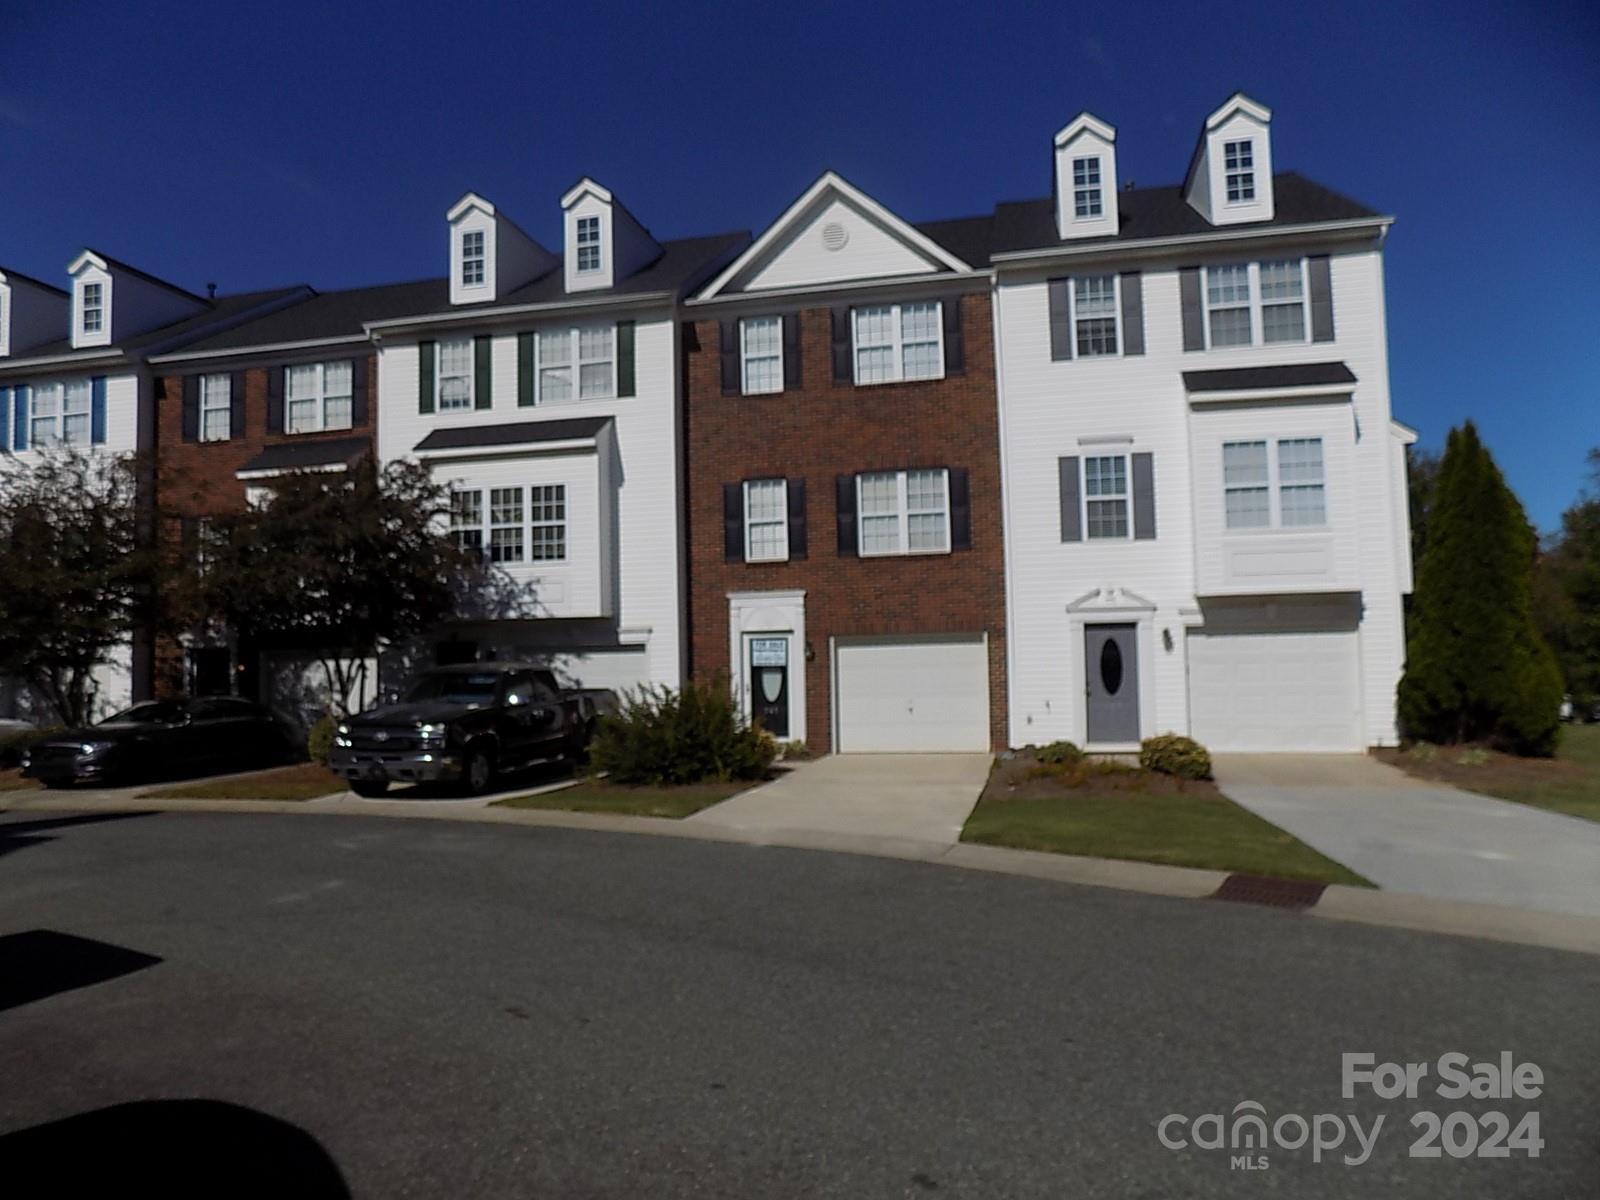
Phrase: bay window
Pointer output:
(1267, 484)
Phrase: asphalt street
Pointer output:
(388, 1008)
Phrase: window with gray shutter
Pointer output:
(1144, 497)
(1194, 334)
(1071, 518)
(1060, 320)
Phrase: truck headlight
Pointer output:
(341, 735)
(432, 736)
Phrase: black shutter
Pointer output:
(955, 354)
(844, 498)
(1071, 525)
(730, 359)
(191, 408)
(274, 399)
(791, 352)
(236, 405)
(625, 385)
(1194, 334)
(841, 347)
(797, 518)
(1060, 321)
(960, 510)
(358, 391)
(733, 522)
(1144, 497)
(425, 380)
(1132, 312)
(483, 372)
(525, 370)
(1321, 298)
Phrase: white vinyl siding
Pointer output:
(1256, 302)
(455, 374)
(320, 396)
(761, 355)
(1105, 497)
(766, 520)
(216, 408)
(1251, 498)
(903, 512)
(896, 342)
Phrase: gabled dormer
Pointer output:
(489, 256)
(31, 313)
(1086, 178)
(604, 243)
(112, 301)
(1230, 175)
(834, 233)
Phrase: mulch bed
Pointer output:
(1024, 777)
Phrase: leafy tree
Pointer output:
(1422, 477)
(339, 565)
(1477, 667)
(1567, 594)
(81, 574)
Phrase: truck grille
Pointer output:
(390, 740)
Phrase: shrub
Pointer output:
(1059, 754)
(319, 739)
(794, 751)
(1174, 754)
(659, 736)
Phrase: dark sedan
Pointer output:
(162, 739)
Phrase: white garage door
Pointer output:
(1269, 691)
(905, 694)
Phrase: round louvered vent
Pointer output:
(834, 236)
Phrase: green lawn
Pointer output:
(601, 797)
(1568, 783)
(1130, 815)
(305, 781)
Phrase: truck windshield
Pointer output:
(457, 687)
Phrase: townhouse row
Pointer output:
(1107, 463)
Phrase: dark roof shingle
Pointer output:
(314, 452)
(1240, 379)
(513, 433)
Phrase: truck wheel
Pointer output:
(479, 773)
(369, 788)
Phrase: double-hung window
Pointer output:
(547, 517)
(320, 396)
(766, 520)
(455, 374)
(60, 414)
(1253, 500)
(1086, 196)
(94, 307)
(589, 350)
(899, 341)
(588, 243)
(1247, 302)
(1105, 496)
(903, 512)
(1094, 314)
(597, 375)
(1238, 164)
(216, 408)
(466, 519)
(45, 427)
(505, 525)
(472, 258)
(761, 354)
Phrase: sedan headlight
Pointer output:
(90, 749)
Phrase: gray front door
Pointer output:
(1111, 667)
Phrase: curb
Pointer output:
(1338, 902)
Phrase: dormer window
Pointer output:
(94, 308)
(472, 258)
(588, 243)
(1238, 161)
(1086, 194)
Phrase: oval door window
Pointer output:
(1110, 667)
(771, 683)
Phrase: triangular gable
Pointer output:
(834, 233)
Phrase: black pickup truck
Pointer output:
(466, 725)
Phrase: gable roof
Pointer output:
(832, 183)
(106, 261)
(329, 316)
(10, 276)
(1162, 212)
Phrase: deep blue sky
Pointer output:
(253, 145)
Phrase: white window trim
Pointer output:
(1254, 304)
(226, 407)
(563, 524)
(480, 526)
(579, 245)
(99, 308)
(744, 362)
(1084, 498)
(58, 419)
(897, 343)
(1116, 312)
(480, 259)
(1275, 486)
(782, 522)
(322, 425)
(486, 524)
(902, 503)
(1097, 189)
(573, 364)
(1255, 191)
(491, 526)
(439, 376)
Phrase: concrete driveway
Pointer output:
(1410, 836)
(922, 798)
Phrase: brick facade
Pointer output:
(817, 432)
